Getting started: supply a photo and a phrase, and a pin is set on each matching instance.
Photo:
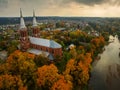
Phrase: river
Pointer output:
(105, 73)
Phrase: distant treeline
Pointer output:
(16, 20)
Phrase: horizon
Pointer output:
(58, 16)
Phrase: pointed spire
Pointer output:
(33, 13)
(21, 13)
(22, 23)
(34, 19)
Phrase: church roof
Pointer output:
(44, 42)
(22, 23)
(38, 52)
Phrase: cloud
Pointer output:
(85, 2)
(59, 7)
(3, 3)
(53, 3)
(91, 2)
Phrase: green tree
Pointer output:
(41, 60)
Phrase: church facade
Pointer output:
(36, 45)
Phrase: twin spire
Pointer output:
(34, 19)
(22, 22)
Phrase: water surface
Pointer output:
(105, 74)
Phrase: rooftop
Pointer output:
(38, 52)
(44, 42)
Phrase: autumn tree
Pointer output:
(97, 45)
(73, 53)
(83, 67)
(62, 84)
(98, 41)
(79, 69)
(47, 75)
(21, 63)
(9, 82)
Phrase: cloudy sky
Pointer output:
(90, 8)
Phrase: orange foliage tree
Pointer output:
(47, 75)
(98, 41)
(79, 69)
(62, 84)
(49, 79)
(83, 67)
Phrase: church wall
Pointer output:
(35, 32)
(24, 40)
(54, 51)
(57, 51)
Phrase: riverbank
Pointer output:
(106, 71)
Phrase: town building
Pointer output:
(34, 44)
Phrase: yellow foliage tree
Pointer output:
(21, 63)
(9, 82)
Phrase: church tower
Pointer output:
(24, 39)
(35, 29)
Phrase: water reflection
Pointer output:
(105, 74)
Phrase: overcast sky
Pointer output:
(91, 8)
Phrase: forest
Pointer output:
(25, 71)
